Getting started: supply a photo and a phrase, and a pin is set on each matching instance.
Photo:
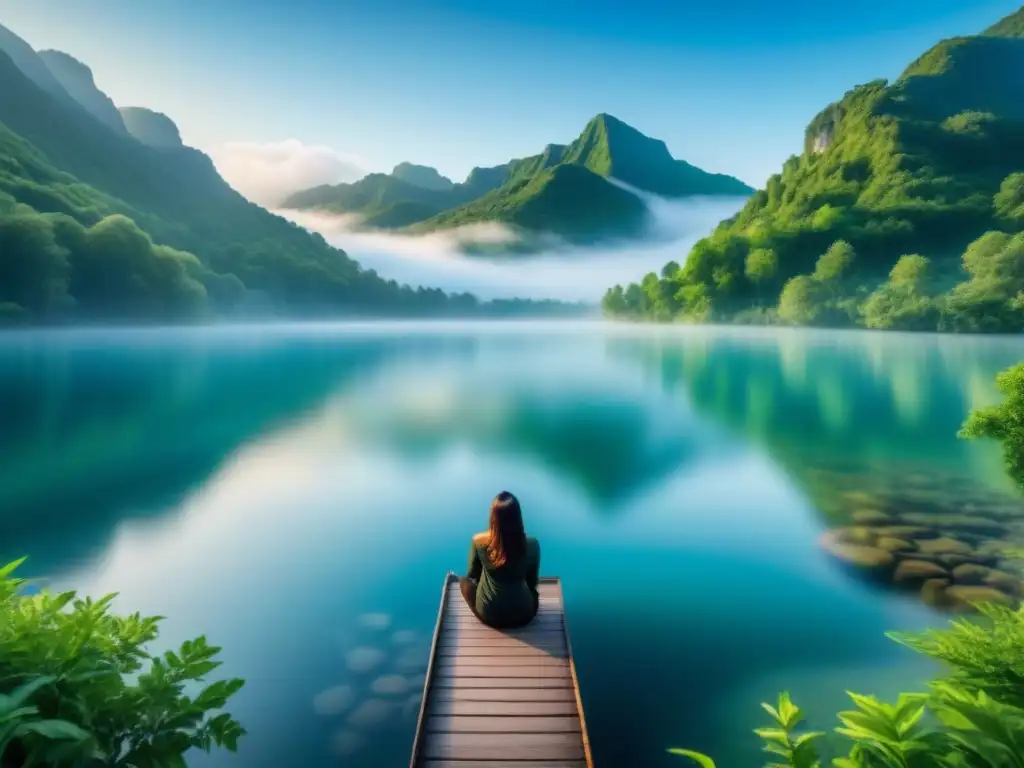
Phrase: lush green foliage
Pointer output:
(1004, 422)
(79, 688)
(971, 718)
(560, 191)
(924, 166)
(96, 225)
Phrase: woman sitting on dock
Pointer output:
(504, 563)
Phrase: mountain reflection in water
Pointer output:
(296, 493)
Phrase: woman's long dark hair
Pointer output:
(508, 537)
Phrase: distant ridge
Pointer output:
(563, 190)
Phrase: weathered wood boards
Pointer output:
(501, 698)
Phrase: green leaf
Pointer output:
(24, 692)
(773, 734)
(54, 729)
(11, 567)
(702, 760)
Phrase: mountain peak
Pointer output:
(422, 176)
(612, 148)
(153, 128)
(51, 56)
(77, 79)
(605, 117)
(29, 62)
(1010, 26)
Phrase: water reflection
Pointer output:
(298, 495)
(854, 399)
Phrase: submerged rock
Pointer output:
(963, 523)
(855, 535)
(998, 546)
(858, 555)
(890, 544)
(918, 571)
(911, 532)
(977, 575)
(872, 517)
(974, 558)
(943, 546)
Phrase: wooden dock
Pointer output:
(501, 698)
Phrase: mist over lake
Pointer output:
(561, 272)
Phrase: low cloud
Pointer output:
(266, 173)
(557, 272)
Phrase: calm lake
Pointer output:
(297, 493)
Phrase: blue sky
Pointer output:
(728, 84)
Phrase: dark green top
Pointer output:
(505, 596)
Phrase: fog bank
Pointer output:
(558, 272)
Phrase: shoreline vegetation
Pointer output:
(79, 687)
(972, 716)
(904, 211)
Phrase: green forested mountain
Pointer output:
(877, 222)
(565, 200)
(95, 224)
(76, 78)
(610, 148)
(381, 200)
(562, 191)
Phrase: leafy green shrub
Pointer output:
(1004, 422)
(971, 718)
(77, 686)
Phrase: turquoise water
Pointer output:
(296, 493)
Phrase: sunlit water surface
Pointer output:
(297, 494)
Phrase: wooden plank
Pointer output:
(523, 725)
(471, 636)
(587, 754)
(497, 698)
(445, 695)
(450, 628)
(492, 746)
(470, 646)
(540, 661)
(458, 668)
(514, 681)
(493, 652)
(417, 742)
(512, 709)
(497, 639)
